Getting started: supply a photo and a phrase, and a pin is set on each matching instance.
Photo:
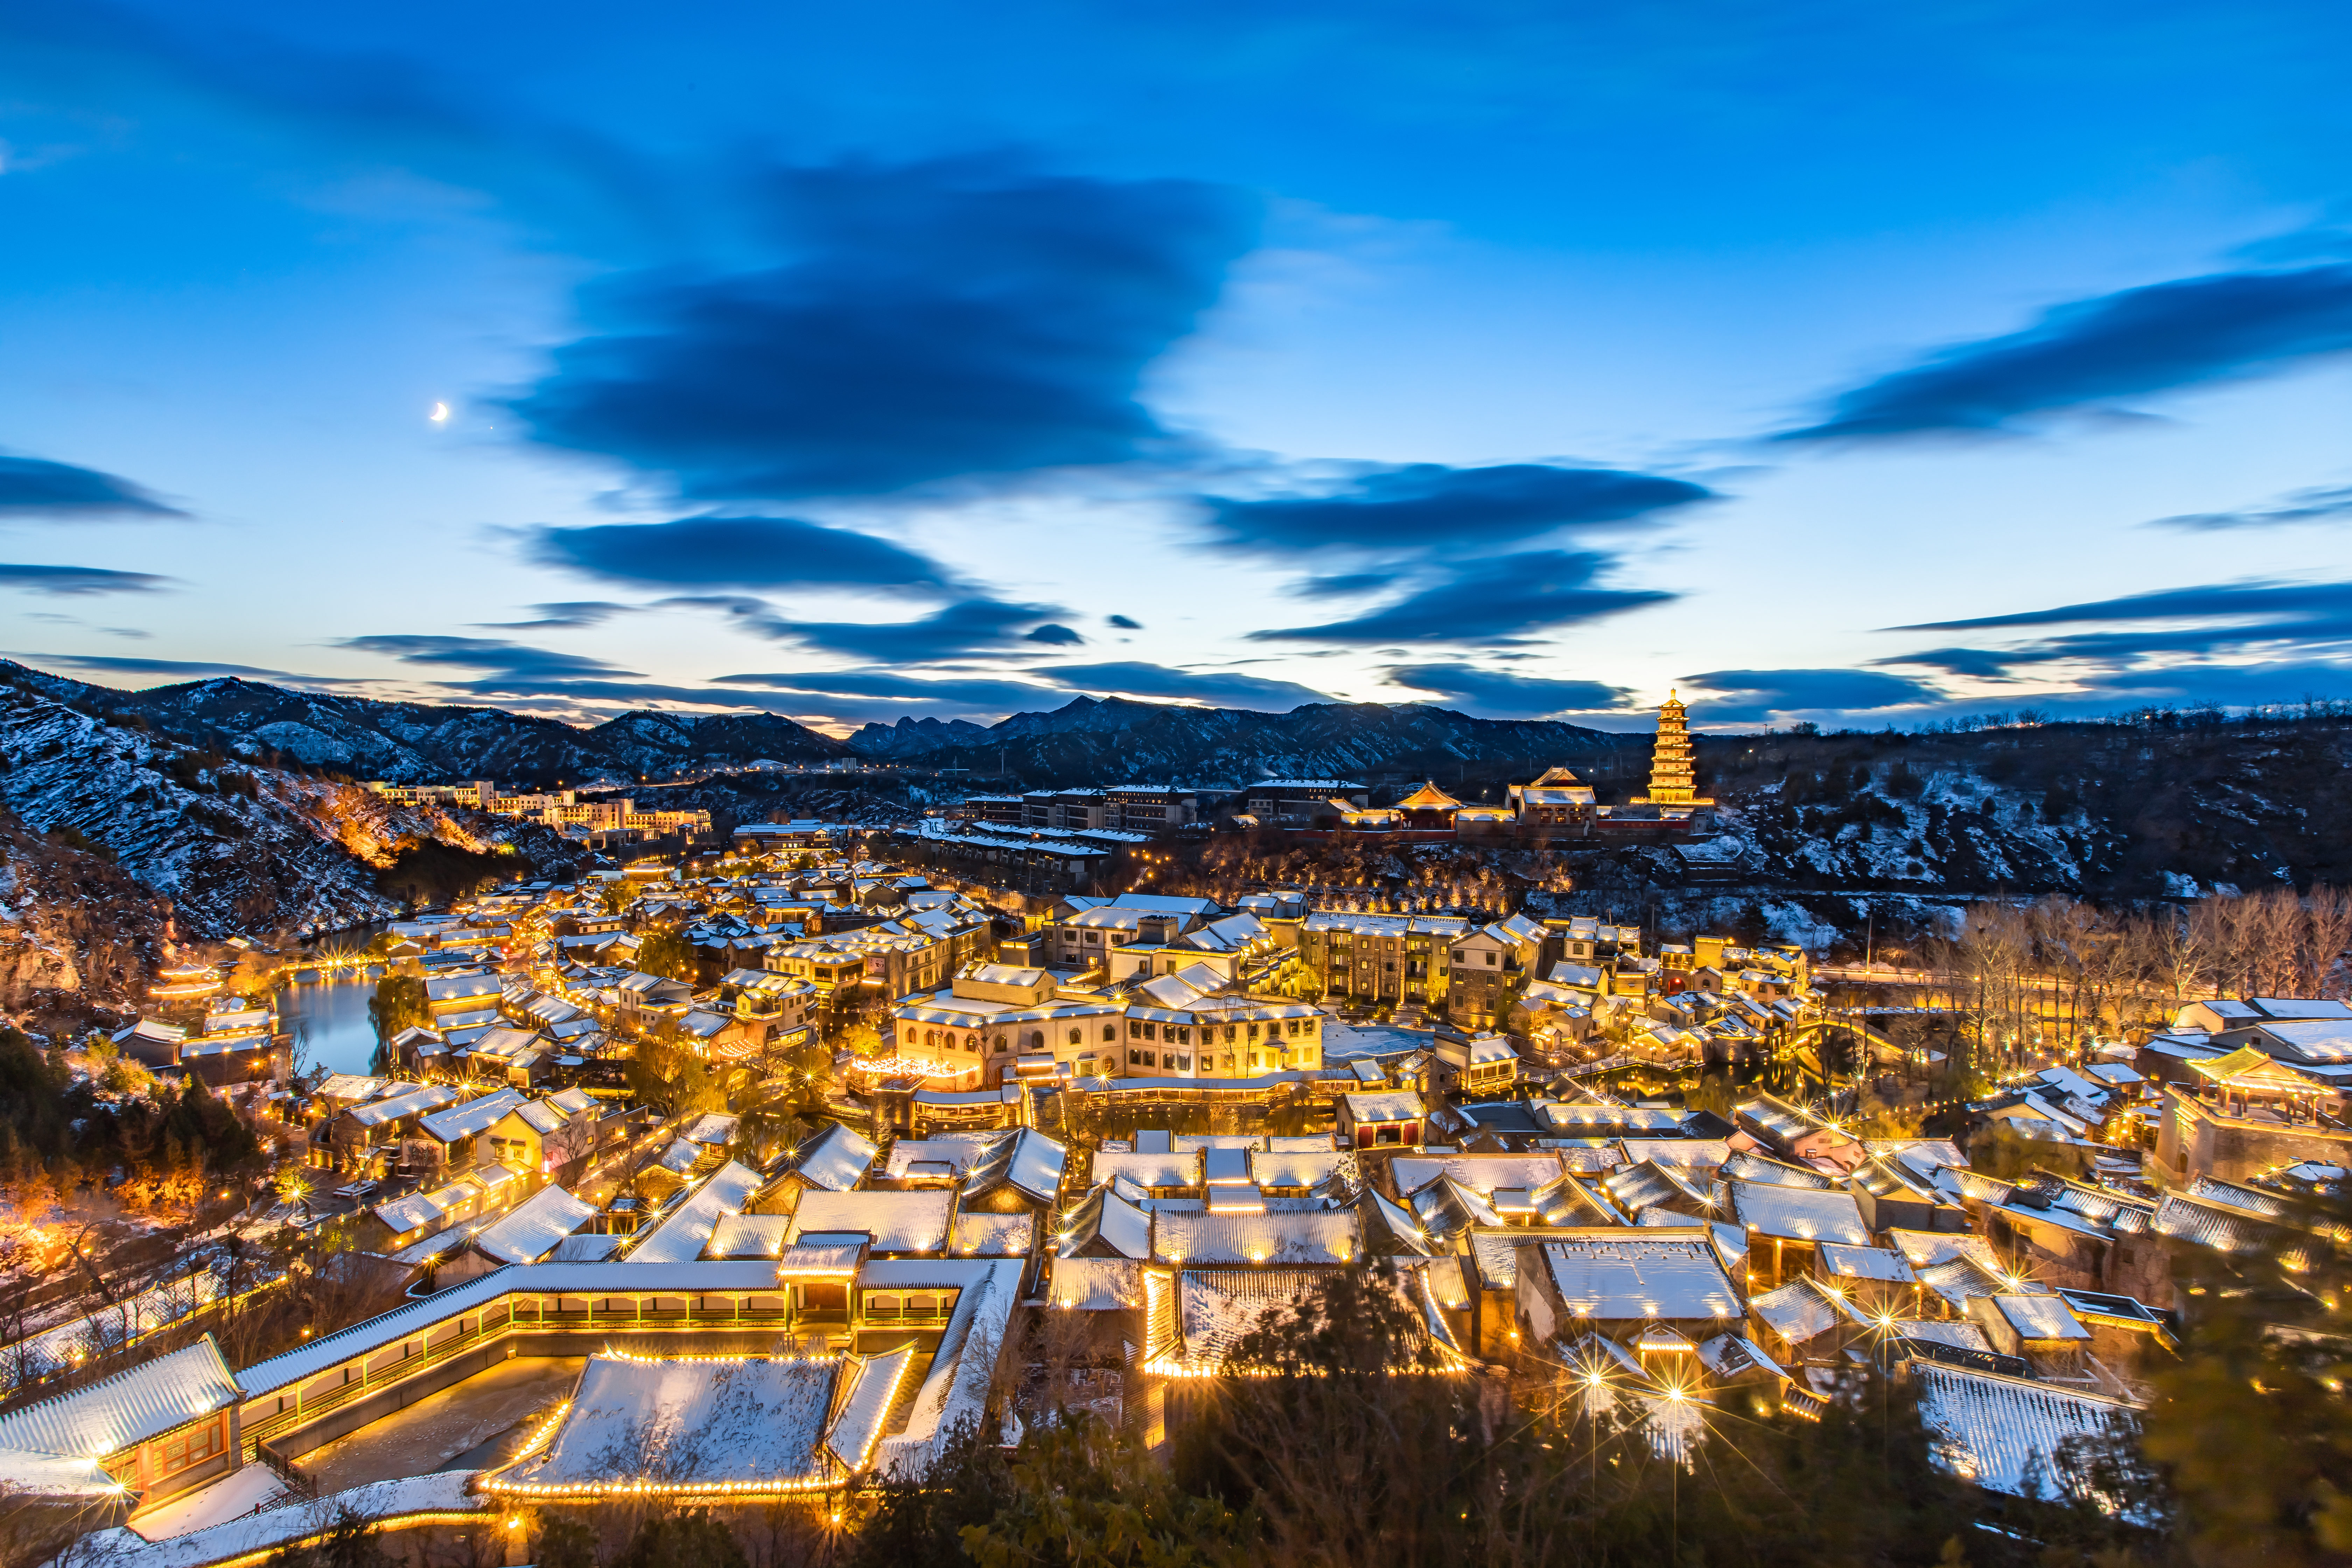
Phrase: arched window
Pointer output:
(931, 1038)
(1110, 1031)
(1077, 1037)
(971, 1044)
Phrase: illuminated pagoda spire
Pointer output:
(1672, 782)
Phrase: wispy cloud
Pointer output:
(1427, 507)
(758, 553)
(2326, 504)
(1483, 600)
(1499, 694)
(34, 486)
(2099, 353)
(70, 581)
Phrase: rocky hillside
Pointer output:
(235, 847)
(1114, 741)
(413, 741)
(2122, 810)
(79, 937)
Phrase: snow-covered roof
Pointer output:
(532, 1229)
(964, 1364)
(1397, 1105)
(749, 1235)
(1298, 1168)
(1800, 1310)
(388, 1504)
(1096, 1284)
(978, 1233)
(835, 1159)
(683, 1233)
(2004, 1433)
(1798, 1214)
(1025, 1159)
(473, 1116)
(1645, 1274)
(392, 1106)
(897, 1221)
(1121, 1225)
(959, 1151)
(1149, 1170)
(712, 1129)
(2039, 1316)
(1865, 1263)
(121, 1412)
(1327, 1237)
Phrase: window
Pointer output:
(1181, 1064)
(1229, 1033)
(1077, 1037)
(1110, 1031)
(1148, 1031)
(1148, 1061)
(1134, 1058)
(1184, 1036)
(1490, 960)
(187, 1449)
(1229, 1061)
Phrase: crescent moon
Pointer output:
(440, 413)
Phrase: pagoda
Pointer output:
(1672, 783)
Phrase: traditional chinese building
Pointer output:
(1671, 781)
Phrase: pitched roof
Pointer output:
(2004, 1433)
(1616, 1274)
(897, 1221)
(530, 1230)
(124, 1410)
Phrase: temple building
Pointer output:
(1673, 785)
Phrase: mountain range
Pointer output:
(1087, 741)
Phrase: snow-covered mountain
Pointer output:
(234, 845)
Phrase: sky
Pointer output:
(1858, 364)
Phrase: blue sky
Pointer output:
(1857, 363)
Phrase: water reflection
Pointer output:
(329, 1019)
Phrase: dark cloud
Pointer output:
(1977, 663)
(738, 552)
(1749, 696)
(511, 664)
(1123, 624)
(2327, 503)
(33, 486)
(64, 580)
(1340, 585)
(2095, 353)
(933, 321)
(1484, 600)
(563, 615)
(966, 626)
(172, 668)
(1219, 688)
(2298, 600)
(1498, 694)
(1427, 507)
(1054, 636)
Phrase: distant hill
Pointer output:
(414, 742)
(1084, 741)
(1116, 740)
